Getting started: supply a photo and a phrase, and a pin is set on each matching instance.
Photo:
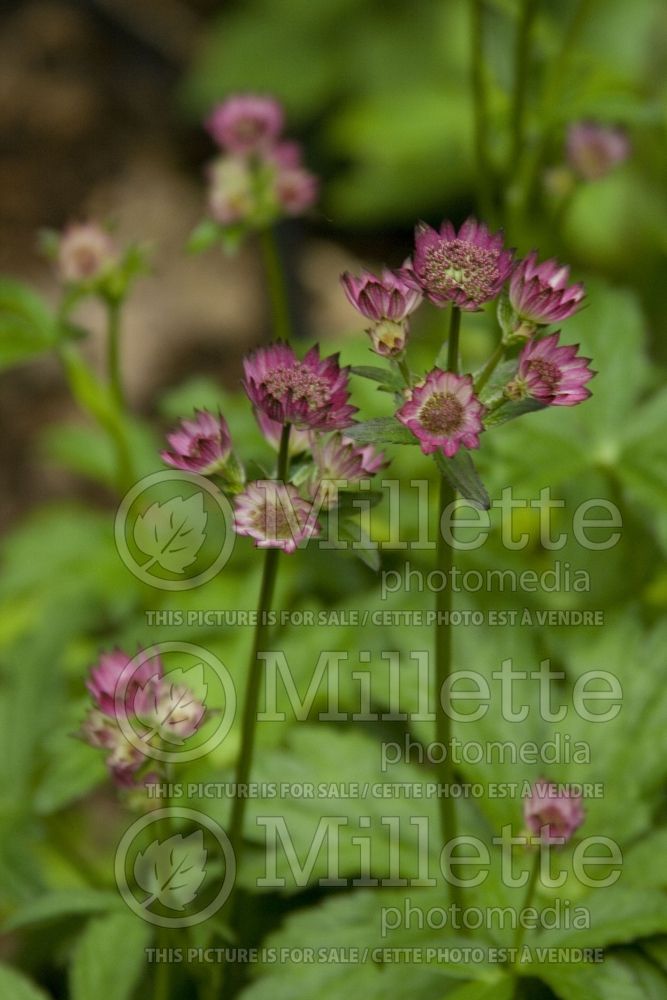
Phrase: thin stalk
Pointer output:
(113, 351)
(528, 899)
(161, 979)
(480, 116)
(443, 633)
(276, 283)
(490, 367)
(248, 722)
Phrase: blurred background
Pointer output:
(101, 110)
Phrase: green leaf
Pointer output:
(460, 471)
(172, 871)
(611, 979)
(387, 378)
(380, 430)
(499, 988)
(27, 326)
(511, 410)
(617, 916)
(173, 532)
(109, 958)
(61, 903)
(15, 986)
(204, 236)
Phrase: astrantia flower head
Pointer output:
(593, 149)
(312, 393)
(172, 711)
(551, 373)
(540, 293)
(231, 190)
(85, 252)
(245, 123)
(295, 189)
(443, 413)
(552, 812)
(467, 268)
(123, 759)
(274, 515)
(202, 445)
(339, 460)
(387, 301)
(106, 674)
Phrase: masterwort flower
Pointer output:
(203, 445)
(593, 149)
(540, 293)
(85, 252)
(105, 676)
(274, 515)
(231, 190)
(340, 463)
(467, 268)
(551, 373)
(245, 123)
(387, 301)
(312, 393)
(552, 812)
(443, 413)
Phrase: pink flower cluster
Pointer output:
(144, 698)
(259, 176)
(310, 397)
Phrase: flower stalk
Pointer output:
(276, 282)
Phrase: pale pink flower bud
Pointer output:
(552, 812)
(85, 252)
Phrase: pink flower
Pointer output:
(274, 515)
(552, 812)
(299, 441)
(467, 268)
(594, 149)
(443, 413)
(202, 445)
(172, 711)
(245, 123)
(85, 251)
(551, 373)
(123, 759)
(340, 459)
(539, 293)
(389, 297)
(105, 676)
(312, 393)
(231, 190)
(295, 189)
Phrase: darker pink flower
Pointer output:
(245, 123)
(540, 293)
(339, 464)
(467, 268)
(552, 812)
(390, 297)
(443, 413)
(201, 445)
(593, 149)
(274, 515)
(105, 675)
(311, 394)
(554, 374)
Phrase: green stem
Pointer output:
(248, 727)
(480, 117)
(163, 940)
(521, 68)
(444, 557)
(275, 279)
(528, 899)
(490, 367)
(113, 351)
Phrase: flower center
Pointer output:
(441, 413)
(276, 518)
(299, 382)
(457, 265)
(547, 372)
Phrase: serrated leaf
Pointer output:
(109, 958)
(15, 986)
(380, 430)
(172, 533)
(385, 376)
(611, 979)
(352, 531)
(172, 871)
(460, 471)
